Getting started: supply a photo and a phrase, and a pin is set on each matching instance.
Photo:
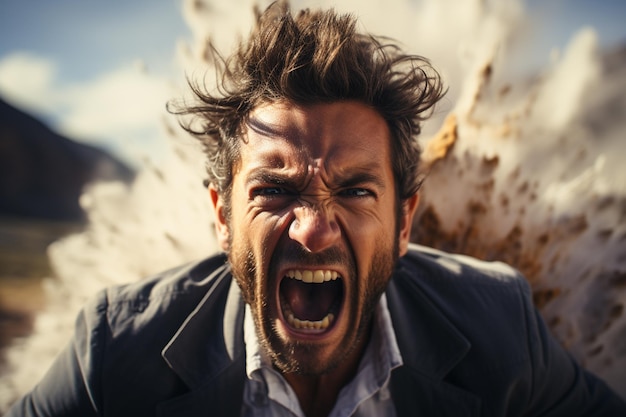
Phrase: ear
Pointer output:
(221, 225)
(406, 221)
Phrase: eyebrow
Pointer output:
(351, 179)
(264, 175)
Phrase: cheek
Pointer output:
(265, 230)
(366, 229)
(372, 238)
(240, 259)
(254, 239)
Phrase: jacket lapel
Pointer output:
(221, 396)
(212, 367)
(415, 394)
(431, 347)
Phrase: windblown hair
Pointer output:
(314, 57)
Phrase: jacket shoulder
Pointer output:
(178, 280)
(177, 290)
(464, 289)
(456, 268)
(477, 299)
(130, 326)
(473, 324)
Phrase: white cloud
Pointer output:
(124, 102)
(122, 108)
(26, 81)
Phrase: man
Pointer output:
(319, 306)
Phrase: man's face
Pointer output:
(314, 230)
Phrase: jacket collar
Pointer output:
(428, 341)
(195, 353)
(431, 347)
(212, 367)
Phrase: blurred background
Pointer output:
(83, 87)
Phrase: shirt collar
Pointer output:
(384, 343)
(255, 359)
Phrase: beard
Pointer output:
(258, 290)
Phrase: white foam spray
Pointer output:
(527, 169)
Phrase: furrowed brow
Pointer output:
(263, 128)
(360, 178)
(263, 176)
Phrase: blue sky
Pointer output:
(559, 19)
(81, 64)
(87, 37)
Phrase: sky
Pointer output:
(99, 71)
(94, 71)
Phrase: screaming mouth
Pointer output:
(311, 299)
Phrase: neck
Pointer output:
(318, 394)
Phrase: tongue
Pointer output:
(310, 301)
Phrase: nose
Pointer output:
(314, 228)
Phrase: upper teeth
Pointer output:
(317, 276)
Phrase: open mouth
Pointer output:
(311, 300)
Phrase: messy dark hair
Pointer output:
(313, 57)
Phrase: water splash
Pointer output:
(525, 168)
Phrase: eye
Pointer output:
(270, 192)
(356, 193)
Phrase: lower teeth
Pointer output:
(308, 324)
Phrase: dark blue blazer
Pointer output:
(471, 341)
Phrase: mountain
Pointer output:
(42, 174)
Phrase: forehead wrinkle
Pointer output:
(351, 176)
(274, 167)
(337, 168)
(278, 132)
(311, 150)
(264, 128)
(267, 176)
(285, 128)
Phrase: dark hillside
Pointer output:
(42, 174)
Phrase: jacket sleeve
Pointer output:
(71, 386)
(560, 387)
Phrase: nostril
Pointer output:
(314, 230)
